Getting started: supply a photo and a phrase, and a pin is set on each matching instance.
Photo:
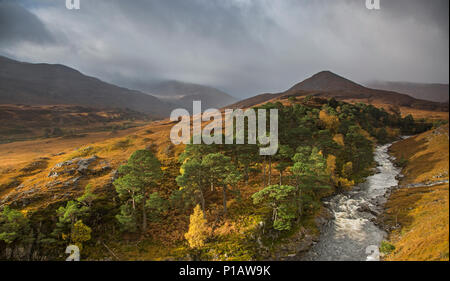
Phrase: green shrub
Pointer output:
(386, 247)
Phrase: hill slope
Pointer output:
(431, 92)
(327, 84)
(46, 84)
(24, 122)
(417, 214)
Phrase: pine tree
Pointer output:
(193, 178)
(215, 170)
(156, 205)
(14, 226)
(284, 160)
(282, 200)
(139, 176)
(72, 212)
(309, 171)
(221, 172)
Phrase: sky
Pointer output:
(243, 47)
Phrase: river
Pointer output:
(352, 229)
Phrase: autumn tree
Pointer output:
(138, 178)
(331, 122)
(80, 234)
(347, 170)
(198, 229)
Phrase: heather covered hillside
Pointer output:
(326, 146)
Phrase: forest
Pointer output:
(219, 202)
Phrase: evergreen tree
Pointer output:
(221, 172)
(14, 227)
(156, 205)
(72, 212)
(282, 200)
(194, 178)
(309, 172)
(284, 160)
(139, 177)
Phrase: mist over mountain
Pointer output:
(432, 92)
(50, 84)
(182, 94)
(47, 84)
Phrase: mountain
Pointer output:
(51, 84)
(182, 94)
(327, 84)
(327, 81)
(431, 92)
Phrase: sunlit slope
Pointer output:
(425, 155)
(26, 166)
(419, 216)
(326, 84)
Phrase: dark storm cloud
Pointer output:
(17, 25)
(434, 12)
(241, 46)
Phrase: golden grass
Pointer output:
(427, 155)
(116, 149)
(423, 214)
(18, 153)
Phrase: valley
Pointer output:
(71, 167)
(25, 122)
(224, 139)
(27, 184)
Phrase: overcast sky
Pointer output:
(244, 47)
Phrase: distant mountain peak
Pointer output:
(325, 73)
(326, 81)
(326, 84)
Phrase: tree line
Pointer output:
(324, 145)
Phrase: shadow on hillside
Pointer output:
(423, 164)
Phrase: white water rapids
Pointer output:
(352, 230)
